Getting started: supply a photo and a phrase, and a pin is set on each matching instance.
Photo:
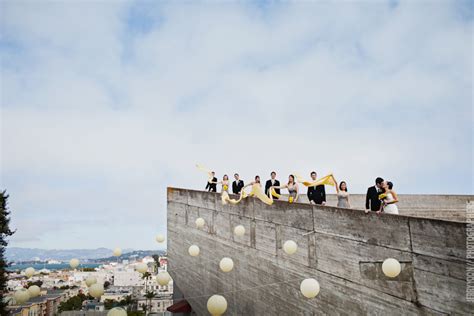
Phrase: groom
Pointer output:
(372, 201)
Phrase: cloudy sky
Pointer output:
(105, 103)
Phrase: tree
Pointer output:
(72, 304)
(106, 285)
(109, 304)
(5, 232)
(157, 261)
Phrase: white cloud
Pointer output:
(97, 119)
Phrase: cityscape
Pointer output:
(131, 284)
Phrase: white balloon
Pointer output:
(200, 222)
(74, 263)
(21, 296)
(96, 290)
(29, 272)
(141, 267)
(91, 280)
(290, 247)
(391, 267)
(309, 288)
(34, 290)
(226, 264)
(117, 252)
(117, 311)
(239, 230)
(163, 278)
(193, 251)
(160, 238)
(216, 305)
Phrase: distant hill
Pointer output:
(131, 255)
(16, 254)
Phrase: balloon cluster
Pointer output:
(217, 304)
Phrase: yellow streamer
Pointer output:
(257, 192)
(327, 180)
(273, 192)
(226, 198)
(204, 169)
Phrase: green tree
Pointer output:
(157, 261)
(5, 232)
(106, 285)
(109, 304)
(127, 300)
(73, 304)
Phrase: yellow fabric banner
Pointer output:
(257, 192)
(226, 198)
(273, 192)
(327, 180)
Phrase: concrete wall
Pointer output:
(448, 207)
(344, 254)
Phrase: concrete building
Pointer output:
(44, 305)
(342, 248)
(127, 277)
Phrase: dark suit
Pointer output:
(236, 187)
(212, 187)
(372, 201)
(268, 184)
(317, 194)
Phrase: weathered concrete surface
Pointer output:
(447, 207)
(344, 253)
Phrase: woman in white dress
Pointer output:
(389, 199)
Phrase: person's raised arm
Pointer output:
(335, 183)
(248, 185)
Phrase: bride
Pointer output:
(389, 199)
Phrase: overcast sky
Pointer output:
(105, 104)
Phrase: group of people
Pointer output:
(379, 198)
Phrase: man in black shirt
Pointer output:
(212, 184)
(372, 201)
(237, 185)
(316, 194)
(272, 182)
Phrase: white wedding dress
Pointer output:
(390, 208)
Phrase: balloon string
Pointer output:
(239, 290)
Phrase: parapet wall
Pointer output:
(447, 207)
(344, 253)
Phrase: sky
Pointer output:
(106, 103)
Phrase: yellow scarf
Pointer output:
(204, 169)
(226, 198)
(273, 192)
(327, 180)
(257, 192)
